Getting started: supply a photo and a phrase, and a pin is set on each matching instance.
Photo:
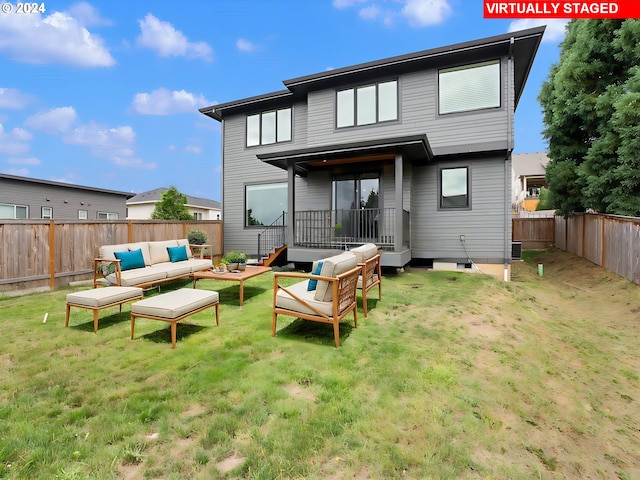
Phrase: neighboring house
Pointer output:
(528, 174)
(142, 206)
(411, 152)
(22, 197)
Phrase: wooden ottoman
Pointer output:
(100, 298)
(175, 306)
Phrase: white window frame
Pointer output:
(470, 87)
(83, 214)
(15, 210)
(107, 216)
(48, 215)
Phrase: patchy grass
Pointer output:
(452, 375)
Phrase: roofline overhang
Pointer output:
(521, 45)
(65, 185)
(418, 145)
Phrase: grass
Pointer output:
(452, 375)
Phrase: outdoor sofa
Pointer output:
(146, 264)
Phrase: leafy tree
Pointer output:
(589, 104)
(546, 200)
(172, 206)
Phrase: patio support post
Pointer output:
(291, 203)
(398, 241)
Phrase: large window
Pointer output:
(264, 203)
(367, 104)
(273, 126)
(107, 216)
(470, 87)
(454, 188)
(13, 211)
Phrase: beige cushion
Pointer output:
(284, 300)
(144, 246)
(197, 264)
(107, 251)
(185, 242)
(332, 267)
(173, 269)
(365, 252)
(137, 276)
(99, 297)
(175, 304)
(159, 252)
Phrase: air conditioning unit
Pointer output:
(516, 250)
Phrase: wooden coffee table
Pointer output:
(249, 271)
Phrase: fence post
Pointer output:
(129, 232)
(52, 255)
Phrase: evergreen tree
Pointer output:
(172, 206)
(590, 121)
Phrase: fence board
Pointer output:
(25, 253)
(533, 233)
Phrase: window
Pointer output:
(47, 212)
(83, 214)
(471, 87)
(197, 215)
(367, 104)
(13, 211)
(273, 126)
(454, 188)
(107, 216)
(264, 203)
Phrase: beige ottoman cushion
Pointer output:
(99, 297)
(174, 304)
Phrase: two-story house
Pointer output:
(411, 152)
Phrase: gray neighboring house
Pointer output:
(142, 206)
(23, 197)
(411, 152)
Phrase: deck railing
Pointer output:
(343, 228)
(274, 236)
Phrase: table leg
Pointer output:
(241, 292)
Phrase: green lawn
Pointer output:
(452, 375)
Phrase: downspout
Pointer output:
(507, 162)
(291, 203)
(222, 184)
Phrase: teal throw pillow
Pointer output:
(178, 254)
(314, 283)
(130, 260)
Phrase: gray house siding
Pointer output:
(435, 234)
(65, 200)
(416, 146)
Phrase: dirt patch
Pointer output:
(297, 391)
(229, 464)
(194, 410)
(568, 410)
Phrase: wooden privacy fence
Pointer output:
(533, 233)
(611, 241)
(52, 253)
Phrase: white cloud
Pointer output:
(169, 42)
(245, 45)
(421, 13)
(23, 161)
(418, 13)
(14, 142)
(555, 28)
(13, 98)
(55, 38)
(113, 144)
(54, 121)
(165, 102)
(193, 149)
(88, 15)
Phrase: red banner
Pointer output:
(562, 9)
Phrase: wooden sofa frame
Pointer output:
(343, 301)
(371, 276)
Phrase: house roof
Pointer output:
(529, 164)
(65, 185)
(154, 196)
(521, 46)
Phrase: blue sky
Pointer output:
(106, 93)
